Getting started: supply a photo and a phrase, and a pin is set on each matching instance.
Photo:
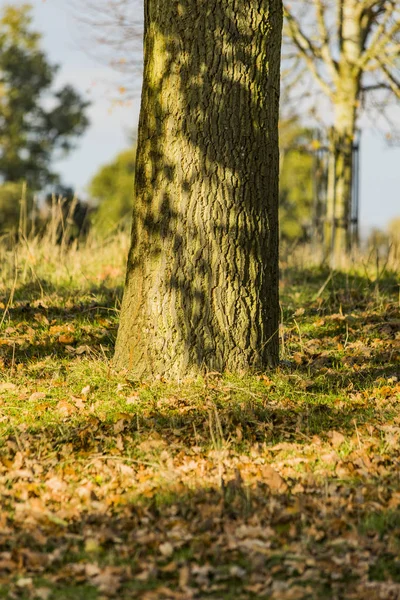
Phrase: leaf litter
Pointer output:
(280, 486)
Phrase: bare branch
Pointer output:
(394, 83)
(375, 86)
(308, 51)
(380, 38)
(323, 32)
(302, 41)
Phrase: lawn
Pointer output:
(283, 485)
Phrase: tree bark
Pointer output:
(201, 289)
(340, 176)
(345, 103)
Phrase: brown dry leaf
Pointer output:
(84, 348)
(108, 581)
(394, 501)
(41, 318)
(166, 593)
(132, 399)
(184, 576)
(7, 386)
(272, 478)
(24, 582)
(37, 396)
(305, 384)
(6, 564)
(54, 329)
(42, 593)
(79, 402)
(65, 408)
(336, 438)
(119, 426)
(166, 549)
(119, 443)
(298, 358)
(150, 445)
(66, 338)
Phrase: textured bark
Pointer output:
(201, 290)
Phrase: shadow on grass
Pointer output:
(224, 542)
(30, 325)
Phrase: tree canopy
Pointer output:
(111, 190)
(36, 121)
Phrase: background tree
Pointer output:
(296, 180)
(202, 278)
(349, 48)
(111, 191)
(18, 209)
(35, 121)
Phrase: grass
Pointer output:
(281, 486)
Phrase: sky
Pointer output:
(111, 125)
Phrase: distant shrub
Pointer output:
(111, 192)
(18, 209)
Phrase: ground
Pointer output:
(279, 486)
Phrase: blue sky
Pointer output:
(111, 125)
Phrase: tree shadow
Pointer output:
(54, 321)
(244, 537)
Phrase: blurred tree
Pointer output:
(394, 230)
(378, 241)
(111, 190)
(394, 235)
(17, 209)
(35, 121)
(349, 48)
(66, 215)
(296, 180)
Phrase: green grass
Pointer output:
(219, 487)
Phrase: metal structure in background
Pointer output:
(320, 167)
(321, 157)
(355, 192)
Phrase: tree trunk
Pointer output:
(201, 290)
(338, 218)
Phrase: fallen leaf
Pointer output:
(42, 593)
(37, 396)
(119, 426)
(272, 478)
(7, 386)
(65, 408)
(166, 549)
(66, 338)
(336, 438)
